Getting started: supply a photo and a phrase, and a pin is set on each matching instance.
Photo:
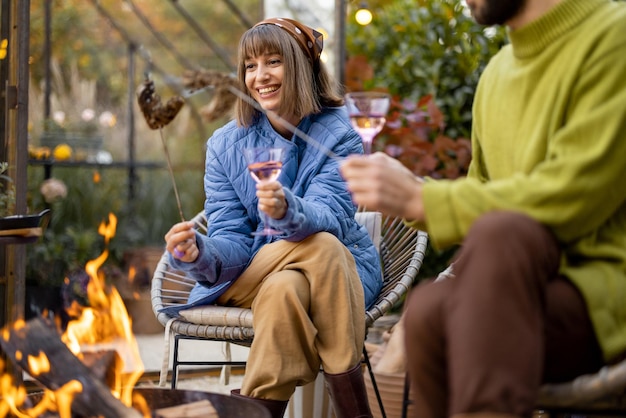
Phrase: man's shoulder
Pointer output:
(608, 23)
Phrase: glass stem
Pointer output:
(266, 219)
(367, 146)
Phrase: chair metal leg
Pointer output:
(405, 396)
(175, 362)
(366, 358)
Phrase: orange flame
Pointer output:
(132, 273)
(104, 324)
(39, 364)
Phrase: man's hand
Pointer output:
(380, 182)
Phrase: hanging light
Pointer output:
(363, 16)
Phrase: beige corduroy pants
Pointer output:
(308, 309)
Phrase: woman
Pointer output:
(309, 287)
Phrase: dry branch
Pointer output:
(156, 113)
(222, 101)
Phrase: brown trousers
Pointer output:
(485, 340)
(308, 311)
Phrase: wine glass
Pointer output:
(367, 111)
(264, 165)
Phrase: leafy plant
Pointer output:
(7, 191)
(145, 220)
(414, 133)
(72, 238)
(422, 48)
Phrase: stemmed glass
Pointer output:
(367, 111)
(264, 165)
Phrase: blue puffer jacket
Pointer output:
(316, 195)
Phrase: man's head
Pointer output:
(495, 12)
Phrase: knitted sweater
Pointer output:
(549, 141)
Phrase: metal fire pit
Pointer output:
(226, 406)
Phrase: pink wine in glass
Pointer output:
(367, 127)
(367, 111)
(264, 164)
(265, 171)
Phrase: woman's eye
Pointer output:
(249, 66)
(275, 61)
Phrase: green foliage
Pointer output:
(72, 238)
(7, 191)
(145, 220)
(427, 48)
(414, 133)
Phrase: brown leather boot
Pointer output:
(348, 394)
(276, 408)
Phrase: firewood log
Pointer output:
(39, 338)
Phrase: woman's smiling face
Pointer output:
(264, 78)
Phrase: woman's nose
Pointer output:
(262, 72)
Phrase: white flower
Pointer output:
(107, 119)
(59, 117)
(104, 157)
(88, 114)
(52, 190)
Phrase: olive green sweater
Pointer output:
(549, 140)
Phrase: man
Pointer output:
(540, 281)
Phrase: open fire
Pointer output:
(100, 338)
(91, 368)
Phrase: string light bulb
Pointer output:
(363, 16)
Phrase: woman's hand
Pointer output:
(181, 242)
(271, 199)
(380, 182)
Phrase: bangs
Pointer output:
(261, 40)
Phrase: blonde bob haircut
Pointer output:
(308, 86)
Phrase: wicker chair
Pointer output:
(401, 249)
(601, 394)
